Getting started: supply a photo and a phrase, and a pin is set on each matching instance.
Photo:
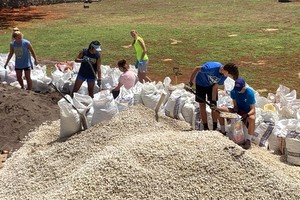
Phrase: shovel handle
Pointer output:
(191, 90)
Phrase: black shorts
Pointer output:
(25, 69)
(203, 92)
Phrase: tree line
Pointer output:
(27, 3)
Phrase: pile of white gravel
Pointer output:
(135, 157)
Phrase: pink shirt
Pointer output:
(128, 79)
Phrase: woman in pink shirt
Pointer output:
(128, 78)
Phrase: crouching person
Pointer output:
(244, 104)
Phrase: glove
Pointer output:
(99, 82)
(140, 62)
(213, 105)
(191, 84)
(244, 117)
(4, 66)
(85, 59)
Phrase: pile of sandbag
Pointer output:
(39, 77)
(277, 115)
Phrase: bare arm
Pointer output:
(118, 87)
(214, 92)
(33, 54)
(195, 71)
(78, 59)
(252, 111)
(11, 52)
(99, 60)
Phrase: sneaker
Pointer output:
(206, 128)
(247, 144)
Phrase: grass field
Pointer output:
(260, 36)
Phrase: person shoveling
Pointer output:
(90, 59)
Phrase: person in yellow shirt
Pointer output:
(141, 56)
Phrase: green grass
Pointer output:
(209, 30)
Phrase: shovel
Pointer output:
(83, 119)
(162, 97)
(222, 114)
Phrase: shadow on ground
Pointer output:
(10, 16)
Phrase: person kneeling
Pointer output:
(244, 104)
(128, 78)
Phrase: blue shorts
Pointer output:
(89, 80)
(142, 67)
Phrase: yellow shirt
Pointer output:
(138, 48)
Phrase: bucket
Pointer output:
(269, 107)
(292, 150)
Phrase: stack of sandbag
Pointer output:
(39, 77)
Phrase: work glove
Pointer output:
(5, 66)
(213, 105)
(191, 84)
(99, 82)
(244, 117)
(85, 59)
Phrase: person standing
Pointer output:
(128, 78)
(208, 77)
(23, 50)
(90, 59)
(141, 56)
(243, 104)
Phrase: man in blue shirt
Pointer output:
(208, 78)
(244, 104)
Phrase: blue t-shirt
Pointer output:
(209, 75)
(85, 68)
(22, 54)
(243, 100)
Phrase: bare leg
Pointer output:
(77, 86)
(143, 76)
(251, 127)
(19, 78)
(28, 79)
(91, 89)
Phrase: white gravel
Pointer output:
(135, 157)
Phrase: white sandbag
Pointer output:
(125, 99)
(69, 118)
(3, 74)
(281, 129)
(284, 95)
(83, 103)
(270, 114)
(173, 107)
(261, 102)
(150, 95)
(292, 150)
(188, 111)
(271, 98)
(137, 90)
(262, 134)
(104, 107)
(196, 123)
(11, 76)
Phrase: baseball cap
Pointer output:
(239, 84)
(97, 47)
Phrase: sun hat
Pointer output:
(97, 47)
(239, 84)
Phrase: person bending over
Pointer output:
(208, 77)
